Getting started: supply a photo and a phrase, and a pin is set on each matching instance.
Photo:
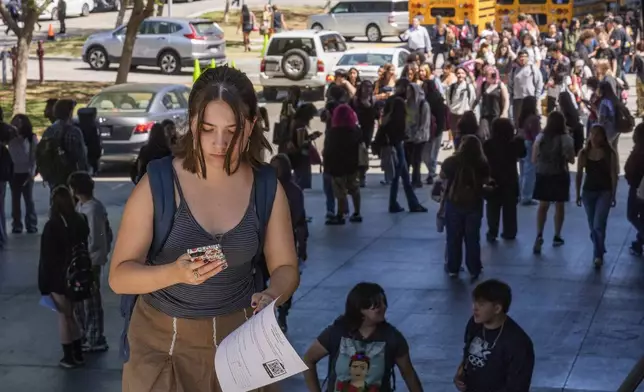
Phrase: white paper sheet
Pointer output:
(256, 354)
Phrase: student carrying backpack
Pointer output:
(162, 186)
(64, 270)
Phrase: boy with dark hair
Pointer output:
(90, 311)
(498, 355)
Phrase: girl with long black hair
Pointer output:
(467, 173)
(65, 229)
(599, 161)
(364, 331)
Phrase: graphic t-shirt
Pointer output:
(497, 360)
(357, 364)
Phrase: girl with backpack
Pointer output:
(553, 150)
(230, 202)
(65, 230)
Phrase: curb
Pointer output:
(57, 58)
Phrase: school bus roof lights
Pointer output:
(471, 6)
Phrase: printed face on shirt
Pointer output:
(484, 311)
(360, 366)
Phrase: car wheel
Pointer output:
(296, 64)
(169, 63)
(97, 58)
(85, 10)
(270, 93)
(317, 27)
(373, 33)
(349, 38)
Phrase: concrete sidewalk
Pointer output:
(587, 326)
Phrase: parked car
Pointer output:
(126, 113)
(368, 61)
(299, 58)
(74, 8)
(167, 43)
(374, 19)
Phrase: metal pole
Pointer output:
(634, 378)
(170, 8)
(3, 54)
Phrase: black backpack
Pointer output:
(79, 278)
(52, 161)
(624, 121)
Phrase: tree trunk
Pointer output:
(226, 10)
(139, 13)
(25, 35)
(121, 15)
(20, 84)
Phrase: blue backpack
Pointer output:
(161, 180)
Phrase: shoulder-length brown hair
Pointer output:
(235, 89)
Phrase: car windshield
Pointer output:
(371, 59)
(122, 101)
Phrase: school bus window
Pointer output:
(504, 2)
(444, 12)
(532, 1)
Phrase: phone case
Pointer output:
(208, 254)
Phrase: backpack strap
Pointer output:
(265, 184)
(161, 177)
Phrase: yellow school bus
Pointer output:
(545, 12)
(477, 12)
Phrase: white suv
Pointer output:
(301, 58)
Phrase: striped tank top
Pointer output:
(228, 291)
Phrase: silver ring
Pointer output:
(195, 273)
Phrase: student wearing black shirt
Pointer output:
(498, 355)
(363, 348)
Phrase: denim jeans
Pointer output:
(388, 162)
(430, 153)
(463, 225)
(327, 185)
(635, 213)
(527, 170)
(3, 217)
(22, 186)
(597, 205)
(401, 172)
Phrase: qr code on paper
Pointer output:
(274, 368)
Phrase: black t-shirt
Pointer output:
(355, 359)
(606, 54)
(497, 360)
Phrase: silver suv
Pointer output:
(167, 43)
(301, 58)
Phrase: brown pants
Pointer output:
(342, 186)
(178, 355)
